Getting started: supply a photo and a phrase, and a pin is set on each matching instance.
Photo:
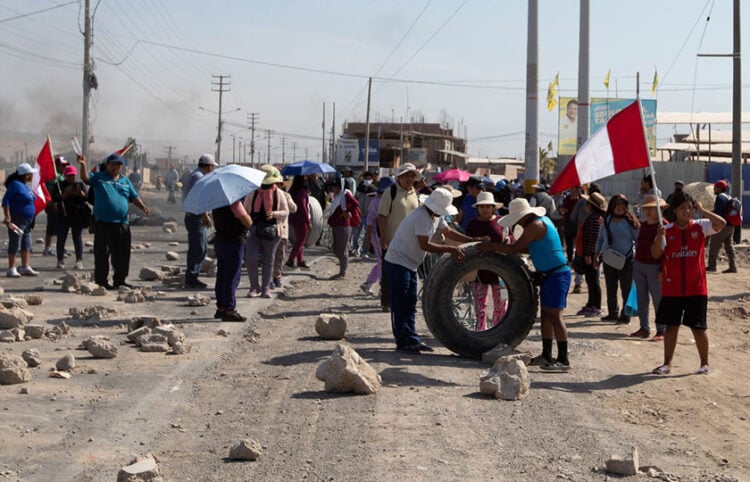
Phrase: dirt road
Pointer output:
(429, 421)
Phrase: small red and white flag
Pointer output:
(617, 147)
(45, 172)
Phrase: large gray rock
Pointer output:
(14, 317)
(623, 465)
(170, 332)
(136, 335)
(147, 321)
(153, 343)
(248, 449)
(66, 363)
(331, 327)
(346, 371)
(92, 314)
(150, 274)
(507, 380)
(141, 469)
(100, 347)
(14, 301)
(35, 331)
(70, 283)
(31, 357)
(7, 336)
(169, 226)
(13, 370)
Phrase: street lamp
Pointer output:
(221, 124)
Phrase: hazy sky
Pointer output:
(154, 61)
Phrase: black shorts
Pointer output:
(686, 310)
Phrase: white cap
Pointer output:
(25, 169)
(207, 160)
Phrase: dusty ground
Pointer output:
(429, 421)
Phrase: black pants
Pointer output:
(385, 289)
(111, 240)
(614, 279)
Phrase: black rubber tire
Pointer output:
(437, 298)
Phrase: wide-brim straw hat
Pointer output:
(440, 202)
(454, 192)
(407, 167)
(517, 209)
(651, 201)
(273, 175)
(486, 199)
(598, 201)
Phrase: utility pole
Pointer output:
(332, 150)
(367, 127)
(283, 152)
(323, 125)
(583, 75)
(169, 150)
(89, 80)
(737, 187)
(252, 119)
(294, 152)
(221, 86)
(532, 98)
(268, 154)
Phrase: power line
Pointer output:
(29, 14)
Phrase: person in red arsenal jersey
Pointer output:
(684, 294)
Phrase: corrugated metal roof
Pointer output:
(698, 117)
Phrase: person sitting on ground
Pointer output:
(541, 240)
(486, 225)
(684, 292)
(406, 252)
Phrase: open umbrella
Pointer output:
(222, 187)
(305, 168)
(452, 175)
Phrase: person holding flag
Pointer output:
(19, 213)
(53, 209)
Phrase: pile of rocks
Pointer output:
(150, 335)
(136, 295)
(13, 370)
(91, 315)
(73, 283)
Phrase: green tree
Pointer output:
(547, 163)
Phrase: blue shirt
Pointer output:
(191, 180)
(470, 212)
(19, 200)
(624, 237)
(111, 197)
(547, 253)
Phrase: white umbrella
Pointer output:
(222, 187)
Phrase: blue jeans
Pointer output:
(197, 243)
(266, 248)
(228, 269)
(646, 277)
(403, 290)
(22, 242)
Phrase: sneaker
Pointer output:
(12, 273)
(416, 348)
(79, 264)
(337, 277)
(659, 336)
(729, 270)
(538, 361)
(48, 252)
(594, 313)
(28, 271)
(576, 289)
(289, 265)
(556, 366)
(704, 370)
(623, 320)
(266, 293)
(196, 285)
(365, 287)
(252, 293)
(277, 282)
(641, 333)
(127, 285)
(232, 316)
(303, 265)
(219, 314)
(60, 265)
(584, 311)
(610, 317)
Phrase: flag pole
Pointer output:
(650, 161)
(57, 180)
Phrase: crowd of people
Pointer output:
(652, 246)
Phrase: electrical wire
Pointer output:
(29, 14)
(695, 67)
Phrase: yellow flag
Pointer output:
(655, 83)
(552, 93)
(606, 79)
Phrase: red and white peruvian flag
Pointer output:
(45, 172)
(617, 147)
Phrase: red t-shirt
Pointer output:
(684, 268)
(646, 235)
